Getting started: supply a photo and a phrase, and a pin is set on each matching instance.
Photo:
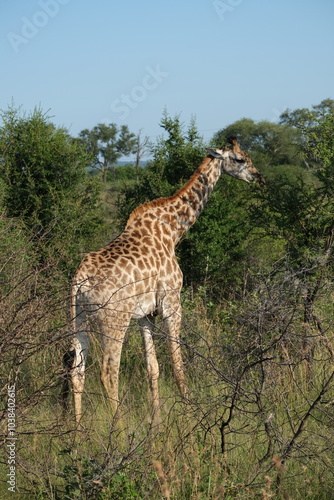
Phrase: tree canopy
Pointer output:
(107, 143)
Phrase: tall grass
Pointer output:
(258, 423)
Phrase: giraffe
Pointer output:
(137, 276)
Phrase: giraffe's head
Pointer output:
(236, 162)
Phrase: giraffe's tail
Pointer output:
(68, 358)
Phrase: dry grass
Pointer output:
(258, 423)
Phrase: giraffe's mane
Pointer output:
(159, 202)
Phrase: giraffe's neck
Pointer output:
(190, 200)
(179, 212)
(176, 214)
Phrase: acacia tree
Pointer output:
(107, 143)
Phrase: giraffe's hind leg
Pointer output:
(80, 347)
(113, 333)
(147, 325)
(172, 326)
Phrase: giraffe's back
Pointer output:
(128, 273)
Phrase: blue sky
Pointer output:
(124, 62)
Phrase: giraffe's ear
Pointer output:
(216, 153)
